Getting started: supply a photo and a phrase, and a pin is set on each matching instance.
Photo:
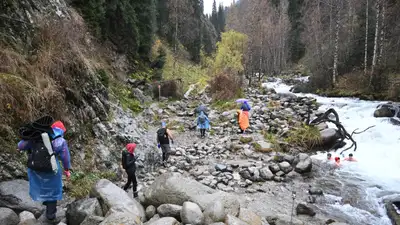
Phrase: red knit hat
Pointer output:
(131, 147)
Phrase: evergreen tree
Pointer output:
(221, 18)
(145, 11)
(297, 48)
(214, 17)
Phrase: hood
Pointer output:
(58, 129)
(131, 147)
(163, 124)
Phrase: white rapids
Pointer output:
(378, 155)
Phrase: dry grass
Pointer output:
(307, 137)
(32, 83)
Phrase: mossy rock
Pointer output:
(262, 146)
(391, 211)
(246, 139)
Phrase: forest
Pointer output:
(350, 47)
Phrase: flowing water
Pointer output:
(377, 171)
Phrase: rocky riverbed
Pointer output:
(227, 177)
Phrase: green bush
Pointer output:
(304, 136)
(104, 78)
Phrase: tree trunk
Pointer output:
(335, 56)
(366, 41)
(374, 58)
(382, 40)
(176, 36)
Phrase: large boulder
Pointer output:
(14, 194)
(328, 136)
(304, 209)
(214, 212)
(387, 110)
(249, 217)
(125, 218)
(174, 188)
(169, 210)
(303, 163)
(231, 220)
(285, 167)
(27, 218)
(266, 174)
(8, 217)
(79, 210)
(191, 214)
(92, 220)
(115, 200)
(165, 221)
(229, 201)
(150, 211)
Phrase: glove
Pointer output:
(67, 173)
(158, 146)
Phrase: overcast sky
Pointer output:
(208, 4)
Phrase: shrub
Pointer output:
(104, 78)
(307, 137)
(81, 183)
(225, 87)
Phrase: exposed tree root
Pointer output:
(324, 118)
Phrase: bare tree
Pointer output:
(366, 38)
(374, 59)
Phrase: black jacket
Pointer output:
(128, 161)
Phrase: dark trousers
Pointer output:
(131, 179)
(203, 132)
(165, 148)
(51, 209)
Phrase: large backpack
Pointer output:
(162, 135)
(202, 119)
(39, 158)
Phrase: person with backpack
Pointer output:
(203, 124)
(44, 171)
(201, 108)
(163, 136)
(129, 164)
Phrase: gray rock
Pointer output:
(219, 223)
(14, 194)
(92, 220)
(280, 174)
(191, 214)
(60, 216)
(221, 167)
(328, 135)
(229, 201)
(288, 158)
(165, 221)
(174, 188)
(169, 210)
(27, 218)
(138, 94)
(264, 146)
(386, 110)
(303, 209)
(115, 200)
(249, 217)
(274, 168)
(79, 210)
(281, 219)
(231, 220)
(150, 211)
(266, 174)
(125, 218)
(303, 163)
(315, 191)
(153, 219)
(285, 167)
(214, 212)
(8, 217)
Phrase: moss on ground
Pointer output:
(124, 95)
(246, 139)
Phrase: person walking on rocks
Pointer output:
(201, 108)
(203, 124)
(129, 164)
(243, 120)
(44, 171)
(163, 137)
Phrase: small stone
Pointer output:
(274, 168)
(285, 167)
(220, 167)
(191, 214)
(150, 211)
